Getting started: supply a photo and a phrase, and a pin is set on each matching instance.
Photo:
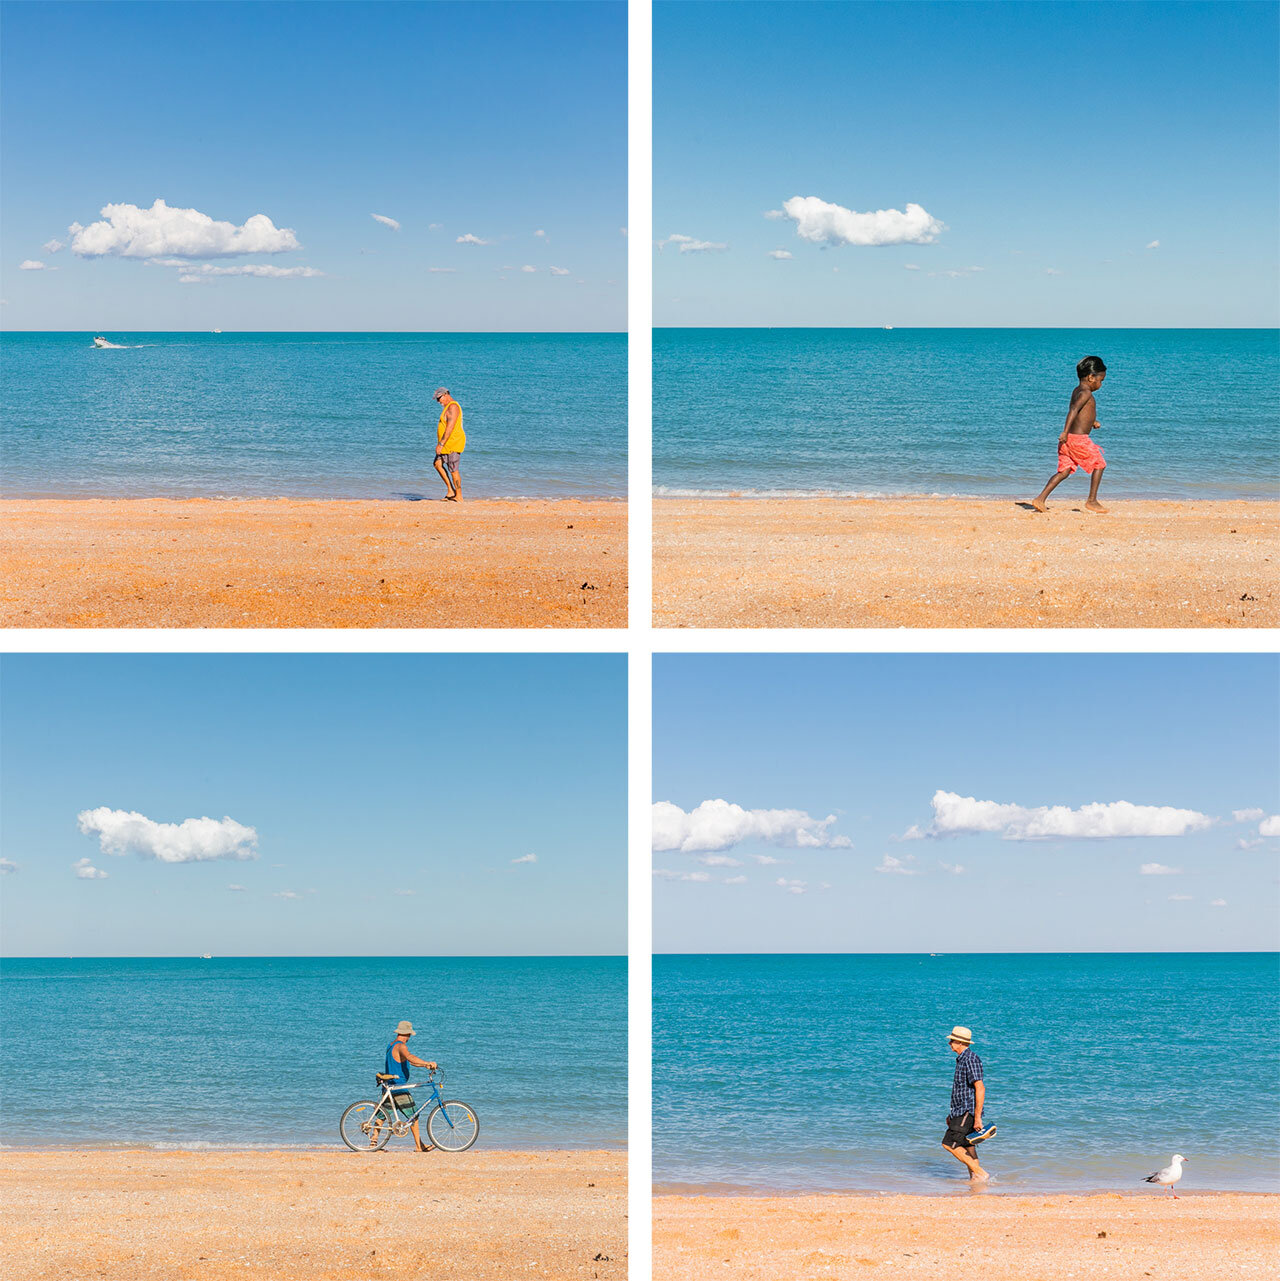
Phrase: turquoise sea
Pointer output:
(831, 1073)
(267, 1052)
(1185, 413)
(321, 415)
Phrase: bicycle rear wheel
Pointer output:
(452, 1126)
(363, 1128)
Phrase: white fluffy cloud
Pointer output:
(385, 221)
(1218, 902)
(823, 223)
(719, 860)
(1180, 898)
(194, 840)
(1270, 826)
(206, 271)
(469, 239)
(527, 269)
(782, 255)
(286, 894)
(956, 869)
(560, 271)
(31, 264)
(7, 865)
(443, 271)
(1158, 869)
(792, 887)
(128, 231)
(524, 858)
(735, 880)
(236, 889)
(954, 815)
(666, 874)
(1155, 244)
(691, 245)
(1052, 271)
(52, 246)
(898, 866)
(1248, 816)
(86, 871)
(719, 825)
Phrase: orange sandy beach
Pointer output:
(298, 563)
(318, 1216)
(935, 562)
(988, 1236)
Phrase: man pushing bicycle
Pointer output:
(399, 1059)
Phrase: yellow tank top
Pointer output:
(457, 441)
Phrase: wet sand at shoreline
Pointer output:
(932, 562)
(138, 562)
(990, 1236)
(322, 1216)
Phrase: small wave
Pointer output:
(668, 491)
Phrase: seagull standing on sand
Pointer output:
(1169, 1175)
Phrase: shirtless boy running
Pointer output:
(1076, 447)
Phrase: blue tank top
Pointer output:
(394, 1066)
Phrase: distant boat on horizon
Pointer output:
(206, 956)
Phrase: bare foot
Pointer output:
(1094, 505)
(1038, 504)
(978, 1176)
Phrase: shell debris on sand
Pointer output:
(158, 1216)
(917, 563)
(311, 563)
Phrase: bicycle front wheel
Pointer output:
(364, 1128)
(452, 1126)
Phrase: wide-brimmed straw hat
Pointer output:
(962, 1034)
(404, 1028)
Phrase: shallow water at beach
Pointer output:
(832, 1073)
(267, 1052)
(174, 415)
(1186, 413)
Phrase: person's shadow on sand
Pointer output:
(1031, 507)
(415, 498)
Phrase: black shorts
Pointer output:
(958, 1130)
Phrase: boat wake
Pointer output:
(101, 343)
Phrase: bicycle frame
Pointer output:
(389, 1088)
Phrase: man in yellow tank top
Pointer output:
(451, 440)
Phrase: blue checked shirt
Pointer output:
(968, 1070)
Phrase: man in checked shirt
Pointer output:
(968, 1093)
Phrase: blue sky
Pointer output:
(1111, 164)
(361, 776)
(857, 750)
(495, 121)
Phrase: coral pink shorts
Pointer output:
(1080, 451)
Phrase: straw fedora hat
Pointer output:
(962, 1034)
(404, 1028)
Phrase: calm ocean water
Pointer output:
(1186, 413)
(310, 415)
(268, 1052)
(822, 1073)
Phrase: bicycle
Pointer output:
(367, 1126)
